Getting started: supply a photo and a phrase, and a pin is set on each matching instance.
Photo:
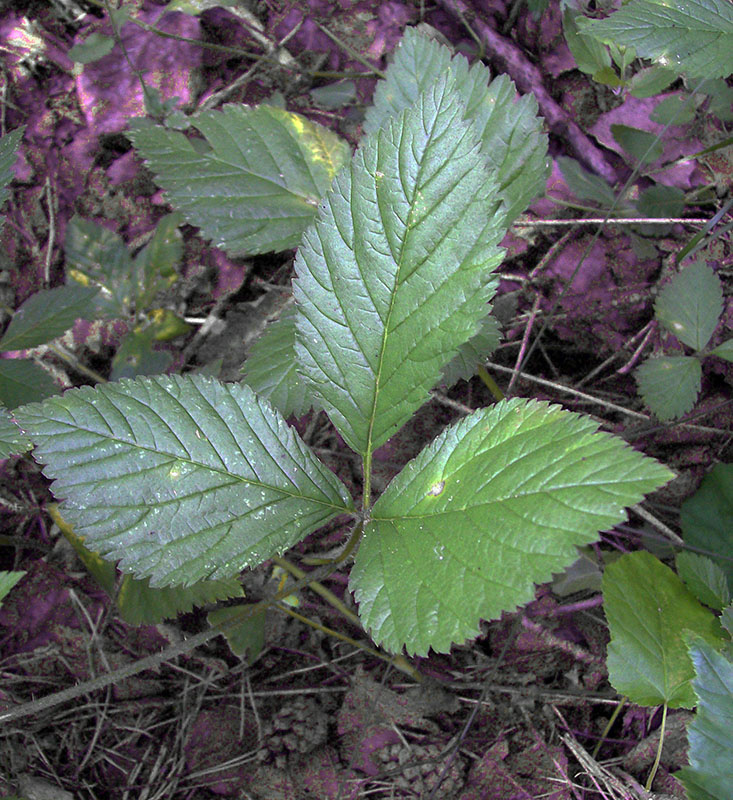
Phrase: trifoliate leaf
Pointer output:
(510, 131)
(724, 350)
(706, 517)
(669, 385)
(257, 185)
(498, 502)
(710, 774)
(23, 381)
(648, 608)
(704, 578)
(8, 147)
(12, 440)
(690, 305)
(271, 368)
(694, 36)
(182, 478)
(395, 273)
(46, 315)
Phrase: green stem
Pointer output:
(492, 385)
(609, 725)
(655, 765)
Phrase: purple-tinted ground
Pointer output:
(511, 716)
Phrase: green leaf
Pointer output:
(721, 99)
(690, 305)
(334, 95)
(97, 257)
(257, 186)
(473, 352)
(661, 201)
(648, 608)
(641, 145)
(584, 185)
(394, 275)
(271, 367)
(710, 774)
(182, 478)
(9, 145)
(46, 315)
(498, 502)
(669, 385)
(141, 604)
(675, 110)
(245, 639)
(24, 381)
(94, 47)
(7, 581)
(511, 134)
(695, 36)
(589, 54)
(156, 263)
(705, 518)
(135, 355)
(12, 441)
(651, 81)
(704, 578)
(724, 350)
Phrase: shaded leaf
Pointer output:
(724, 350)
(12, 440)
(704, 578)
(271, 367)
(706, 517)
(24, 381)
(181, 478)
(641, 145)
(695, 37)
(136, 357)
(690, 305)
(334, 95)
(669, 385)
(395, 273)
(661, 201)
(651, 81)
(47, 314)
(678, 109)
(473, 352)
(9, 145)
(155, 265)
(498, 502)
(7, 581)
(510, 131)
(648, 608)
(247, 638)
(589, 54)
(710, 774)
(585, 185)
(94, 47)
(257, 185)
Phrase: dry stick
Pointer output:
(510, 59)
(154, 661)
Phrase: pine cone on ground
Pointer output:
(299, 726)
(425, 766)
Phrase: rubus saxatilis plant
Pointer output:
(185, 478)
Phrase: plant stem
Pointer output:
(491, 383)
(608, 727)
(658, 757)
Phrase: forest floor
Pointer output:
(516, 714)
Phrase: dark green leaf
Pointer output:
(651, 81)
(641, 145)
(94, 47)
(648, 608)
(704, 578)
(690, 305)
(46, 315)
(245, 639)
(584, 185)
(669, 385)
(182, 478)
(710, 774)
(334, 95)
(661, 201)
(724, 350)
(394, 275)
(589, 54)
(8, 148)
(706, 518)
(695, 36)
(498, 502)
(474, 352)
(257, 186)
(24, 381)
(679, 109)
(12, 441)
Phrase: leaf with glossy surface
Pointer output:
(498, 502)
(395, 273)
(181, 478)
(46, 315)
(257, 186)
(710, 774)
(690, 305)
(648, 608)
(511, 134)
(12, 440)
(271, 368)
(695, 36)
(669, 385)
